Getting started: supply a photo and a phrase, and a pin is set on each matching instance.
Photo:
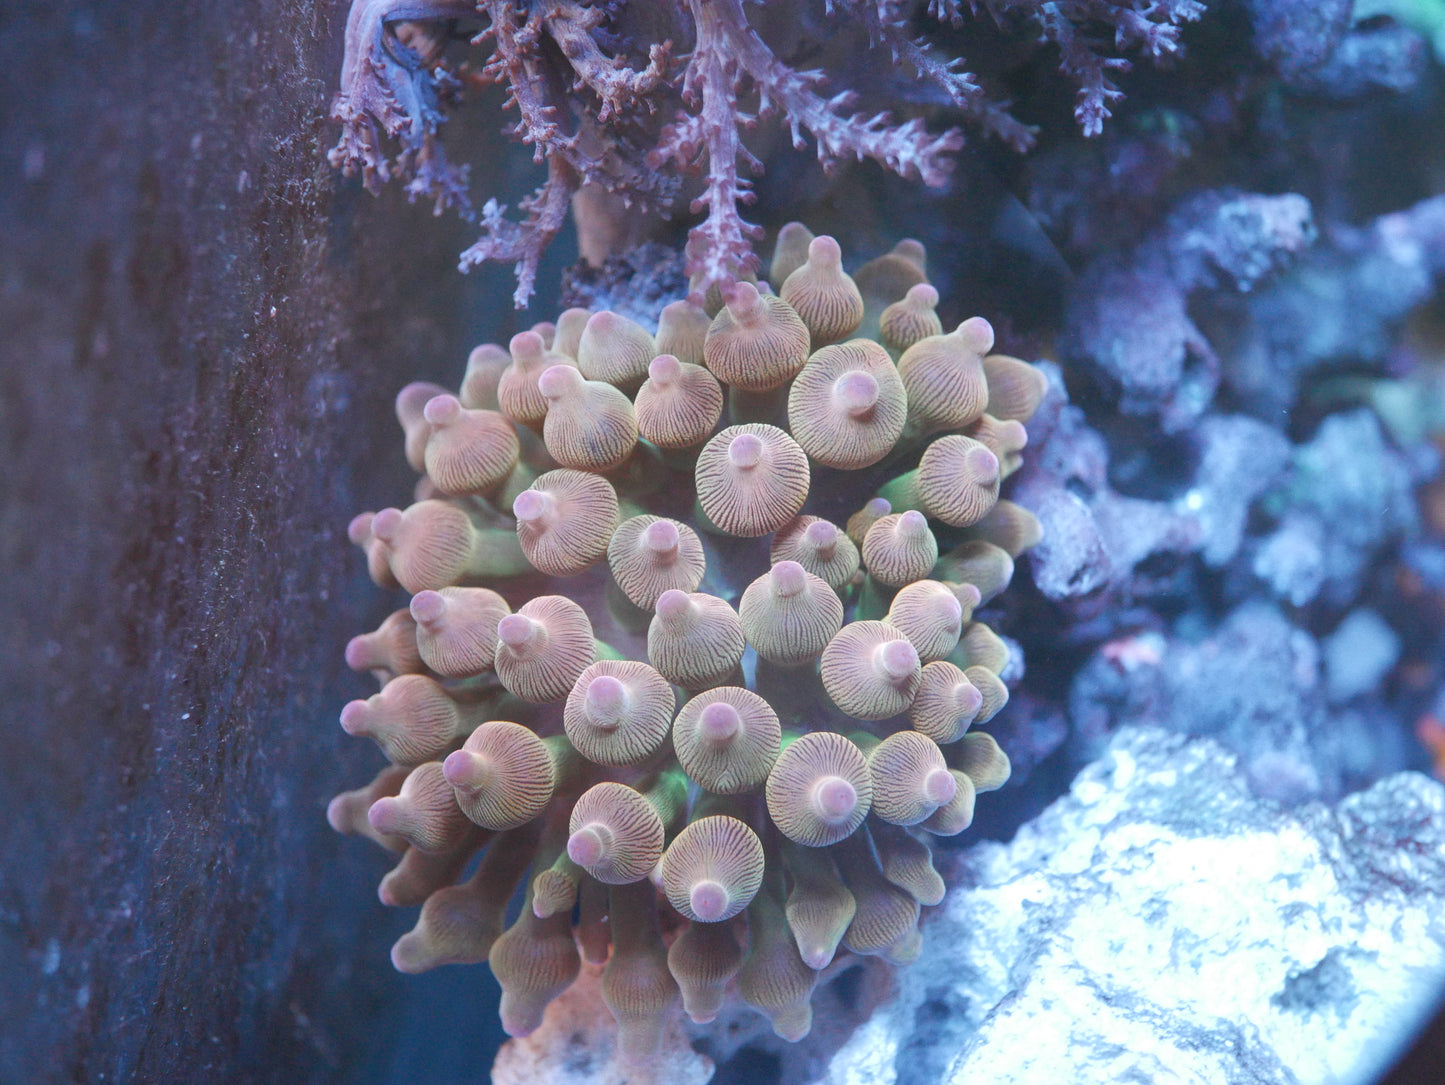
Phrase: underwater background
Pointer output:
(1234, 291)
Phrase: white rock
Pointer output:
(1160, 924)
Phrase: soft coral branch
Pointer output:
(570, 145)
(887, 24)
(616, 86)
(906, 148)
(728, 54)
(585, 78)
(385, 81)
(1151, 26)
(523, 243)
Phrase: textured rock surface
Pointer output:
(1102, 550)
(202, 340)
(1129, 319)
(1356, 488)
(1253, 684)
(1160, 924)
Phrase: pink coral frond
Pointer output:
(1151, 26)
(718, 250)
(523, 243)
(617, 85)
(517, 63)
(727, 50)
(946, 11)
(434, 177)
(908, 149)
(386, 83)
(1096, 90)
(587, 80)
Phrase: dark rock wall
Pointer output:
(202, 331)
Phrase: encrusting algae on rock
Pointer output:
(691, 652)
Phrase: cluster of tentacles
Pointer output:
(682, 676)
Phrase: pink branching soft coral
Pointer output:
(1151, 26)
(614, 93)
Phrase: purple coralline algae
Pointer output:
(1129, 318)
(1347, 494)
(1342, 306)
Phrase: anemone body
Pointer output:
(695, 669)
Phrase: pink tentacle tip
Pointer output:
(662, 536)
(518, 1030)
(821, 534)
(745, 450)
(983, 463)
(672, 604)
(358, 654)
(923, 294)
(461, 768)
(428, 607)
(709, 901)
(968, 700)
(385, 814)
(741, 298)
(386, 523)
(978, 333)
(939, 787)
(586, 847)
(665, 369)
(515, 630)
(557, 381)
(440, 410)
(818, 957)
(912, 522)
(898, 659)
(719, 722)
(949, 607)
(531, 506)
(412, 400)
(825, 251)
(526, 345)
(401, 958)
(835, 798)
(857, 392)
(336, 814)
(358, 530)
(789, 578)
(606, 698)
(355, 717)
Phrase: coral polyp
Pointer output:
(702, 664)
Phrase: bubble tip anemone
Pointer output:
(844, 619)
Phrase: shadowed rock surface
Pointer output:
(202, 338)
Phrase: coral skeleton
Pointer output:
(669, 689)
(628, 96)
